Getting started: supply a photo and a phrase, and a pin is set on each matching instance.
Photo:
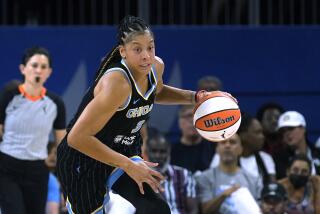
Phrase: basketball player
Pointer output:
(103, 144)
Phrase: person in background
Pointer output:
(210, 83)
(179, 185)
(303, 189)
(253, 160)
(28, 114)
(317, 144)
(268, 115)
(54, 194)
(215, 185)
(273, 199)
(192, 151)
(292, 129)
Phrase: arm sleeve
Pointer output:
(60, 121)
(5, 97)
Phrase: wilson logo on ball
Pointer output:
(218, 120)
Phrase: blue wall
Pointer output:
(257, 65)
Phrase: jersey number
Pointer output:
(138, 126)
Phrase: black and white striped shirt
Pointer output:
(178, 186)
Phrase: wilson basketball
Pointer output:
(217, 117)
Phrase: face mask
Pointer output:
(298, 181)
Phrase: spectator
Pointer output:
(302, 188)
(273, 199)
(28, 113)
(217, 184)
(268, 115)
(292, 128)
(317, 144)
(191, 145)
(179, 185)
(255, 161)
(210, 83)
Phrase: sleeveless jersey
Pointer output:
(122, 132)
(82, 178)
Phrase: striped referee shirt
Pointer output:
(178, 186)
(28, 121)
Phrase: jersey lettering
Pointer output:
(140, 111)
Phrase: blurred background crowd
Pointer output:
(263, 52)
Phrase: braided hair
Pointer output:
(129, 27)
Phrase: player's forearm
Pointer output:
(171, 95)
(92, 147)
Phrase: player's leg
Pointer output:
(150, 202)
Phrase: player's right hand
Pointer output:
(141, 172)
(203, 94)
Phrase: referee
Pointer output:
(28, 113)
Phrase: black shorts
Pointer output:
(83, 179)
(86, 183)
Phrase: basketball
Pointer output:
(217, 117)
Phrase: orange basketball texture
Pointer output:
(217, 117)
(218, 120)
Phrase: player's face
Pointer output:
(36, 70)
(139, 53)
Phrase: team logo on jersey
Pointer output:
(126, 140)
(118, 138)
(139, 111)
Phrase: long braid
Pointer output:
(113, 55)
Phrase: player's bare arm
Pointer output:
(168, 94)
(111, 92)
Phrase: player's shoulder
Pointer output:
(159, 60)
(117, 79)
(159, 66)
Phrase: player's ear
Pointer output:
(122, 51)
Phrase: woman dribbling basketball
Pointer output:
(102, 148)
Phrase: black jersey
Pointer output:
(122, 131)
(83, 179)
